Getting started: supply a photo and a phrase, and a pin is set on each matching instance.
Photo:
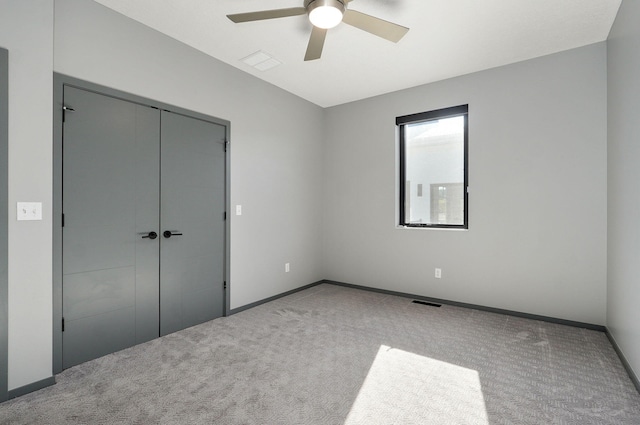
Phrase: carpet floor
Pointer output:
(335, 355)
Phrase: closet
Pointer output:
(143, 236)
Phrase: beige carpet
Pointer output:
(334, 355)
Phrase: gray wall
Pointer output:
(26, 29)
(537, 206)
(623, 295)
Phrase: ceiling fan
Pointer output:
(324, 15)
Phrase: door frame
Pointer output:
(4, 212)
(59, 82)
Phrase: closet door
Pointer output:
(111, 195)
(192, 221)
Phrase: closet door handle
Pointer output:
(150, 235)
(168, 233)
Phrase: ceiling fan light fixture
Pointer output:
(326, 13)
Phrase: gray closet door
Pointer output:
(192, 212)
(110, 201)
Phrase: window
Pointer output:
(433, 168)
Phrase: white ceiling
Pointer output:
(447, 38)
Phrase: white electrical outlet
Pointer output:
(238, 209)
(287, 268)
(438, 273)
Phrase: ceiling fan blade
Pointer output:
(267, 14)
(376, 26)
(316, 42)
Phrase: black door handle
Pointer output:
(151, 235)
(168, 233)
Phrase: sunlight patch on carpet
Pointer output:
(406, 388)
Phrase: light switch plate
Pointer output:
(29, 211)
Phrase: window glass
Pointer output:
(433, 168)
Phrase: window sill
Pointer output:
(448, 229)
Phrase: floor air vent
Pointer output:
(426, 303)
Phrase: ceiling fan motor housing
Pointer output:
(325, 13)
(312, 4)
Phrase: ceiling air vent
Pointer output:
(261, 61)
